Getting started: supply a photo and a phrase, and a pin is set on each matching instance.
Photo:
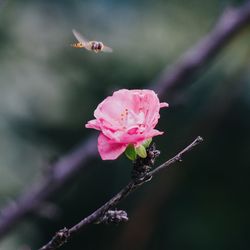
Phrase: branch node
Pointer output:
(178, 158)
(199, 139)
(58, 240)
(113, 216)
(142, 166)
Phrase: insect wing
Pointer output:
(81, 39)
(106, 49)
(88, 45)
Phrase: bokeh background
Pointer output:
(48, 91)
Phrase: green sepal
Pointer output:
(141, 151)
(130, 152)
(147, 142)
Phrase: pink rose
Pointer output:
(126, 117)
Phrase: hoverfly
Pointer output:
(89, 45)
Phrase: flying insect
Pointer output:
(95, 46)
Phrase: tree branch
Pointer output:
(64, 235)
(229, 25)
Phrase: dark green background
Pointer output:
(48, 91)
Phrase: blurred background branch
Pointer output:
(58, 175)
(231, 22)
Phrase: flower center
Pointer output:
(129, 119)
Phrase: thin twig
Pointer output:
(228, 26)
(62, 236)
(178, 157)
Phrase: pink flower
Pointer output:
(126, 117)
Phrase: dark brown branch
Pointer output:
(62, 236)
(229, 25)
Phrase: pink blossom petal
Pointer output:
(109, 150)
(135, 138)
(114, 106)
(154, 132)
(152, 108)
(164, 104)
(138, 138)
(93, 124)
